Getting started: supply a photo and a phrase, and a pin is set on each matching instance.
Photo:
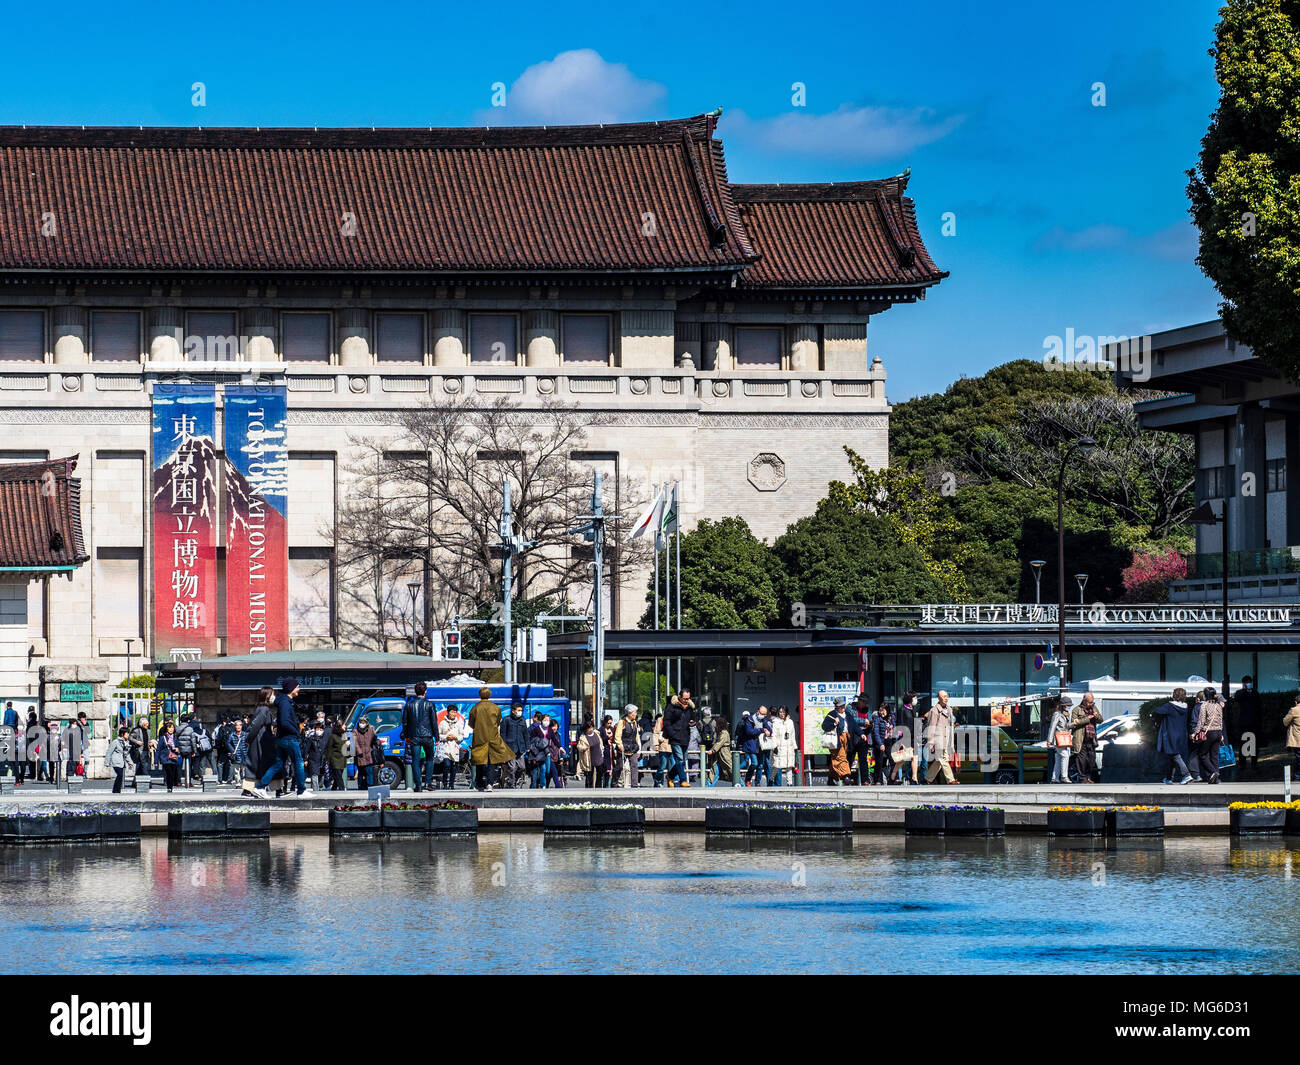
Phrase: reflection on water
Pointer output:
(673, 902)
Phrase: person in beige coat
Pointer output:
(939, 725)
(1292, 725)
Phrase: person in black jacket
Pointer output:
(1249, 708)
(288, 750)
(906, 737)
(859, 737)
(677, 730)
(420, 735)
(514, 733)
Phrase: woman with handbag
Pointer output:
(1207, 734)
(786, 755)
(835, 738)
(662, 750)
(1062, 741)
(169, 755)
(259, 749)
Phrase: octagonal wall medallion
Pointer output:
(767, 471)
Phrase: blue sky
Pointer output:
(1068, 215)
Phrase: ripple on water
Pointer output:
(852, 906)
(173, 960)
(1117, 952)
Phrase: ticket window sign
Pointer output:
(76, 692)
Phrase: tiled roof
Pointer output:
(40, 515)
(631, 198)
(855, 234)
(573, 198)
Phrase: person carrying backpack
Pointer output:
(420, 737)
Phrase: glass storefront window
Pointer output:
(1090, 665)
(999, 676)
(715, 686)
(1180, 665)
(1038, 681)
(1278, 671)
(1139, 666)
(954, 672)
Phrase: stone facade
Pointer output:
(759, 441)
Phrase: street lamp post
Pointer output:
(1081, 579)
(1038, 565)
(1204, 515)
(1085, 444)
(414, 587)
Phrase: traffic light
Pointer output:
(451, 644)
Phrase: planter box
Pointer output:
(405, 822)
(554, 820)
(1135, 822)
(248, 823)
(40, 829)
(1076, 822)
(632, 820)
(733, 818)
(119, 826)
(767, 820)
(74, 828)
(445, 822)
(924, 822)
(355, 821)
(196, 824)
(1242, 821)
(1292, 823)
(968, 822)
(823, 819)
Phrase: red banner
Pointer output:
(184, 522)
(257, 533)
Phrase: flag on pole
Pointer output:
(668, 522)
(651, 517)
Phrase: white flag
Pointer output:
(651, 517)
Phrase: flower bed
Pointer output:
(453, 818)
(196, 823)
(404, 818)
(361, 818)
(593, 817)
(829, 818)
(934, 819)
(1135, 821)
(78, 826)
(732, 817)
(1245, 818)
(765, 817)
(29, 828)
(114, 824)
(248, 823)
(1076, 820)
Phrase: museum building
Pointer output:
(719, 329)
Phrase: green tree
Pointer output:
(729, 578)
(918, 514)
(842, 555)
(1245, 190)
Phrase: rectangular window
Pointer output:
(211, 336)
(311, 580)
(118, 592)
(1277, 672)
(1139, 666)
(1091, 665)
(305, 337)
(955, 674)
(1275, 475)
(115, 336)
(1213, 482)
(22, 336)
(585, 338)
(759, 347)
(493, 338)
(1182, 666)
(399, 338)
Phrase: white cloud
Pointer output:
(1100, 237)
(849, 133)
(1175, 243)
(576, 87)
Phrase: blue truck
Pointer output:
(384, 713)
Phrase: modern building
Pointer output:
(1245, 420)
(719, 329)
